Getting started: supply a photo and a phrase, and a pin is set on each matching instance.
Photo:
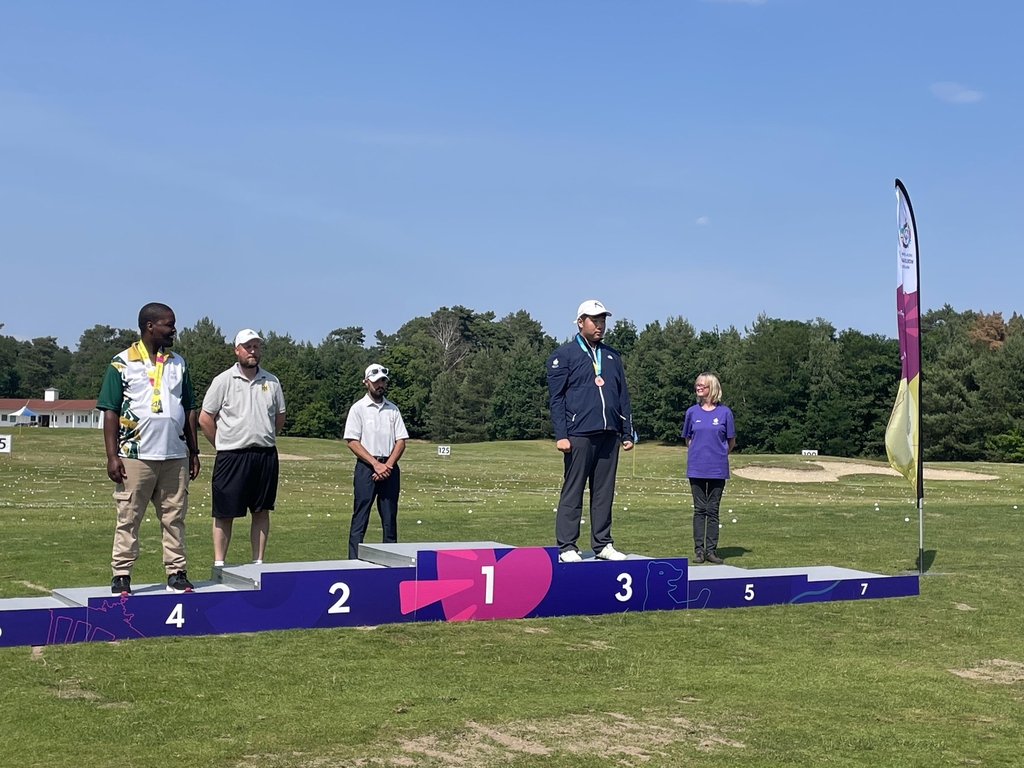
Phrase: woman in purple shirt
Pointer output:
(710, 434)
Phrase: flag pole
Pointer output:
(920, 407)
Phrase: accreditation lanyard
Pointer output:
(155, 372)
(595, 359)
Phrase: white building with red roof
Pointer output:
(51, 411)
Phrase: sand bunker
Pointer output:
(830, 471)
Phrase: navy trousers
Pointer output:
(707, 496)
(592, 460)
(364, 490)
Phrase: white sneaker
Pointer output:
(610, 553)
(570, 556)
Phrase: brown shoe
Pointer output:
(712, 557)
(698, 557)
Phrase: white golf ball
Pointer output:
(730, 511)
(906, 519)
(419, 522)
(734, 519)
(719, 525)
(1014, 506)
(471, 511)
(308, 515)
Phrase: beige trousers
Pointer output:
(165, 483)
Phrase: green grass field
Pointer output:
(843, 684)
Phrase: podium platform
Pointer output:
(430, 581)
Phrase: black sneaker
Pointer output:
(121, 585)
(712, 557)
(178, 582)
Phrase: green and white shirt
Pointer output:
(128, 391)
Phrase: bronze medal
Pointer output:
(599, 381)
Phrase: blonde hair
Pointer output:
(714, 387)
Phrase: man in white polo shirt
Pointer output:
(242, 413)
(376, 434)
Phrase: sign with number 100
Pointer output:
(5, 443)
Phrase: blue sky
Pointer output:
(304, 167)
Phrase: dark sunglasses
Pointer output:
(375, 371)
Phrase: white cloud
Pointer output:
(702, 221)
(954, 93)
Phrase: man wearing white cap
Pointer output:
(242, 413)
(591, 416)
(376, 434)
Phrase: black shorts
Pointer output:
(244, 480)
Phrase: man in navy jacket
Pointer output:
(591, 416)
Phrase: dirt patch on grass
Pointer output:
(36, 587)
(831, 471)
(994, 671)
(72, 689)
(616, 739)
(292, 457)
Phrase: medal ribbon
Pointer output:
(594, 356)
(155, 372)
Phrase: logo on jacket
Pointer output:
(715, 420)
(554, 363)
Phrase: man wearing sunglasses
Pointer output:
(376, 434)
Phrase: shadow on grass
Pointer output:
(929, 558)
(732, 552)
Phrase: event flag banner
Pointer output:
(903, 433)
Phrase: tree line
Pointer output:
(465, 376)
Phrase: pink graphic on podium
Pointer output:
(482, 583)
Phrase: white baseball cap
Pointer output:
(375, 371)
(592, 308)
(244, 335)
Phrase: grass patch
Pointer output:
(927, 681)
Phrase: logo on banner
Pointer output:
(904, 226)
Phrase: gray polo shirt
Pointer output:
(245, 410)
(377, 427)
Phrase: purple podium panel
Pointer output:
(515, 583)
(830, 583)
(359, 594)
(150, 611)
(598, 586)
(41, 621)
(724, 586)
